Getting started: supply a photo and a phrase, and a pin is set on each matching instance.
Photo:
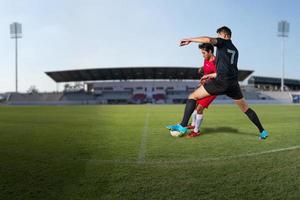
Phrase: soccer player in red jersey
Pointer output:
(209, 67)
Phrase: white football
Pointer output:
(176, 133)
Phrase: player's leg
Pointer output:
(199, 118)
(211, 87)
(202, 104)
(199, 93)
(242, 104)
(194, 115)
(190, 106)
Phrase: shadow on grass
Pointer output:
(225, 129)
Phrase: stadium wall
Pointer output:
(139, 92)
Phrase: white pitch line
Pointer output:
(142, 152)
(236, 156)
(141, 158)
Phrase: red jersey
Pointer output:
(209, 67)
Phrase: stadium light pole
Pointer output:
(16, 33)
(283, 31)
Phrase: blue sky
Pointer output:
(76, 34)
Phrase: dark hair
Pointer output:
(207, 47)
(225, 30)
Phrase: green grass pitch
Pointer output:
(125, 152)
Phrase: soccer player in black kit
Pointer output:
(225, 82)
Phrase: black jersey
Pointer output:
(227, 59)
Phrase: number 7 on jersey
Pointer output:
(232, 52)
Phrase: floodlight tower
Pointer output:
(16, 33)
(283, 31)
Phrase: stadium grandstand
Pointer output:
(157, 85)
(273, 84)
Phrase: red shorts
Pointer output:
(205, 102)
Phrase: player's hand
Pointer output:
(209, 76)
(184, 42)
(204, 78)
(200, 70)
(202, 81)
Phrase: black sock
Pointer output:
(253, 117)
(189, 109)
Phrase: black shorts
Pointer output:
(223, 86)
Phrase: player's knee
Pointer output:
(200, 109)
(244, 108)
(242, 104)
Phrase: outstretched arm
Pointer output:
(204, 39)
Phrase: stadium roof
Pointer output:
(272, 81)
(132, 73)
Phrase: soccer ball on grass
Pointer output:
(176, 133)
